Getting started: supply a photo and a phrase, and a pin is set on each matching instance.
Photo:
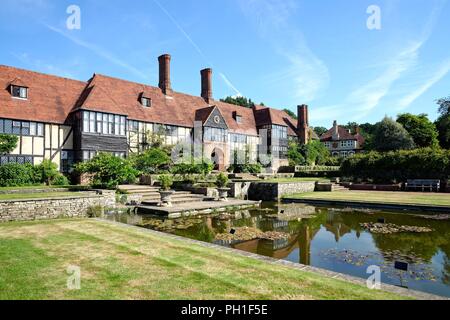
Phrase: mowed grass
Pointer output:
(125, 263)
(41, 195)
(414, 198)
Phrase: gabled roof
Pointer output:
(50, 98)
(344, 134)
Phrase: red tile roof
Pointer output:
(344, 134)
(50, 98)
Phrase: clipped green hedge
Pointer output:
(398, 166)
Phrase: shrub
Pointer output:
(61, 180)
(222, 180)
(47, 171)
(16, 175)
(152, 161)
(194, 167)
(108, 171)
(246, 166)
(398, 166)
(166, 182)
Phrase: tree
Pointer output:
(291, 114)
(47, 171)
(239, 101)
(108, 171)
(8, 143)
(294, 155)
(421, 129)
(390, 136)
(443, 122)
(313, 153)
(320, 130)
(152, 161)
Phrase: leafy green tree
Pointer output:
(239, 101)
(291, 114)
(320, 130)
(390, 135)
(421, 129)
(152, 161)
(108, 171)
(443, 122)
(47, 171)
(8, 143)
(295, 157)
(313, 153)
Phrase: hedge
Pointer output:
(16, 175)
(398, 166)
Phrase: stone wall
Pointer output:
(275, 191)
(67, 207)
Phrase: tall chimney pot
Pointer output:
(207, 94)
(164, 74)
(303, 123)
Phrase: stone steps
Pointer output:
(155, 202)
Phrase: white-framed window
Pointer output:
(102, 123)
(19, 92)
(146, 102)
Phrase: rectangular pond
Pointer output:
(339, 239)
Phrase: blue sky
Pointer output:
(280, 52)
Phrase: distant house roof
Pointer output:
(343, 134)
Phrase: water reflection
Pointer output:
(330, 238)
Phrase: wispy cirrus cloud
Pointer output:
(368, 97)
(307, 73)
(43, 66)
(196, 46)
(427, 84)
(101, 52)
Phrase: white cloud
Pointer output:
(306, 73)
(42, 66)
(100, 52)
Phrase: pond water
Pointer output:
(330, 238)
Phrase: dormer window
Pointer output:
(146, 102)
(237, 117)
(19, 92)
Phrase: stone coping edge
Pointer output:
(330, 274)
(369, 205)
(56, 198)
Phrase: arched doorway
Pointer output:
(217, 157)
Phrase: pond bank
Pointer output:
(293, 266)
(369, 205)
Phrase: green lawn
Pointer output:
(122, 263)
(27, 187)
(41, 195)
(292, 180)
(417, 198)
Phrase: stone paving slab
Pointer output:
(199, 207)
(326, 273)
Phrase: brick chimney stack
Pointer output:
(303, 123)
(164, 74)
(207, 94)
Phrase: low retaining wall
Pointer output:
(67, 207)
(266, 191)
(376, 187)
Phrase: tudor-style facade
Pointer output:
(69, 121)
